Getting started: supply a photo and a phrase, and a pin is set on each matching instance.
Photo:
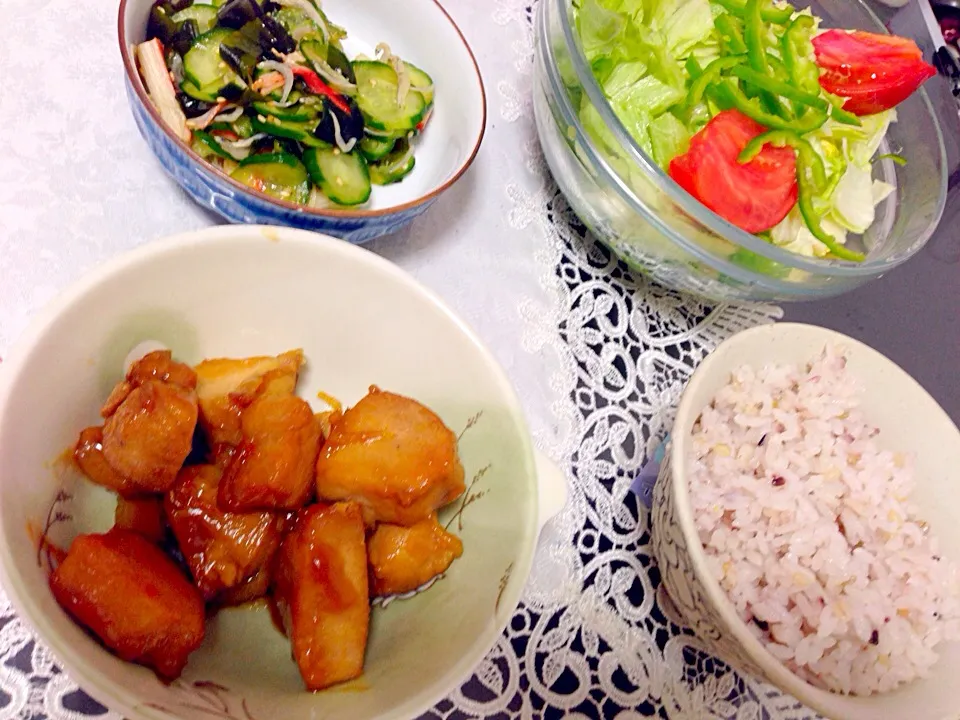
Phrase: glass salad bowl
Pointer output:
(649, 221)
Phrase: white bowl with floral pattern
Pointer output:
(236, 291)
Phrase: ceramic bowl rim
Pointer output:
(14, 365)
(133, 78)
(687, 412)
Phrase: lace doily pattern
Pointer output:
(605, 641)
(32, 686)
(596, 636)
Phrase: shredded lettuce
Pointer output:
(669, 137)
(642, 53)
(687, 26)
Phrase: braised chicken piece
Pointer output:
(326, 421)
(321, 592)
(133, 597)
(149, 419)
(88, 455)
(253, 588)
(161, 367)
(404, 558)
(226, 386)
(392, 455)
(274, 465)
(222, 549)
(143, 515)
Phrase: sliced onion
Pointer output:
(333, 77)
(311, 12)
(176, 68)
(199, 123)
(376, 133)
(237, 155)
(405, 158)
(240, 144)
(284, 70)
(228, 116)
(345, 147)
(294, 58)
(403, 77)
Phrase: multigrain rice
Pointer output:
(807, 525)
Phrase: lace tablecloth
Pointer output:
(599, 358)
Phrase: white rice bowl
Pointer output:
(806, 523)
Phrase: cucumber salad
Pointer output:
(767, 119)
(264, 91)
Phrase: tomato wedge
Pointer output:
(754, 196)
(874, 72)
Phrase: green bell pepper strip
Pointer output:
(842, 116)
(897, 159)
(812, 221)
(726, 94)
(754, 36)
(785, 90)
(710, 75)
(693, 68)
(787, 138)
(777, 68)
(796, 49)
(732, 37)
(775, 15)
(809, 185)
(811, 179)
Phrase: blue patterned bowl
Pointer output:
(444, 151)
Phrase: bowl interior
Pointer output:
(237, 291)
(910, 420)
(456, 127)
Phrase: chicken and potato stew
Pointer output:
(230, 489)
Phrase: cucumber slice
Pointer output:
(204, 15)
(420, 80)
(205, 145)
(299, 131)
(342, 177)
(313, 50)
(284, 158)
(394, 167)
(278, 175)
(339, 62)
(377, 98)
(243, 127)
(298, 24)
(208, 95)
(296, 112)
(203, 66)
(375, 148)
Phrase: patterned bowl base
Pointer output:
(210, 191)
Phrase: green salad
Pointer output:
(771, 121)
